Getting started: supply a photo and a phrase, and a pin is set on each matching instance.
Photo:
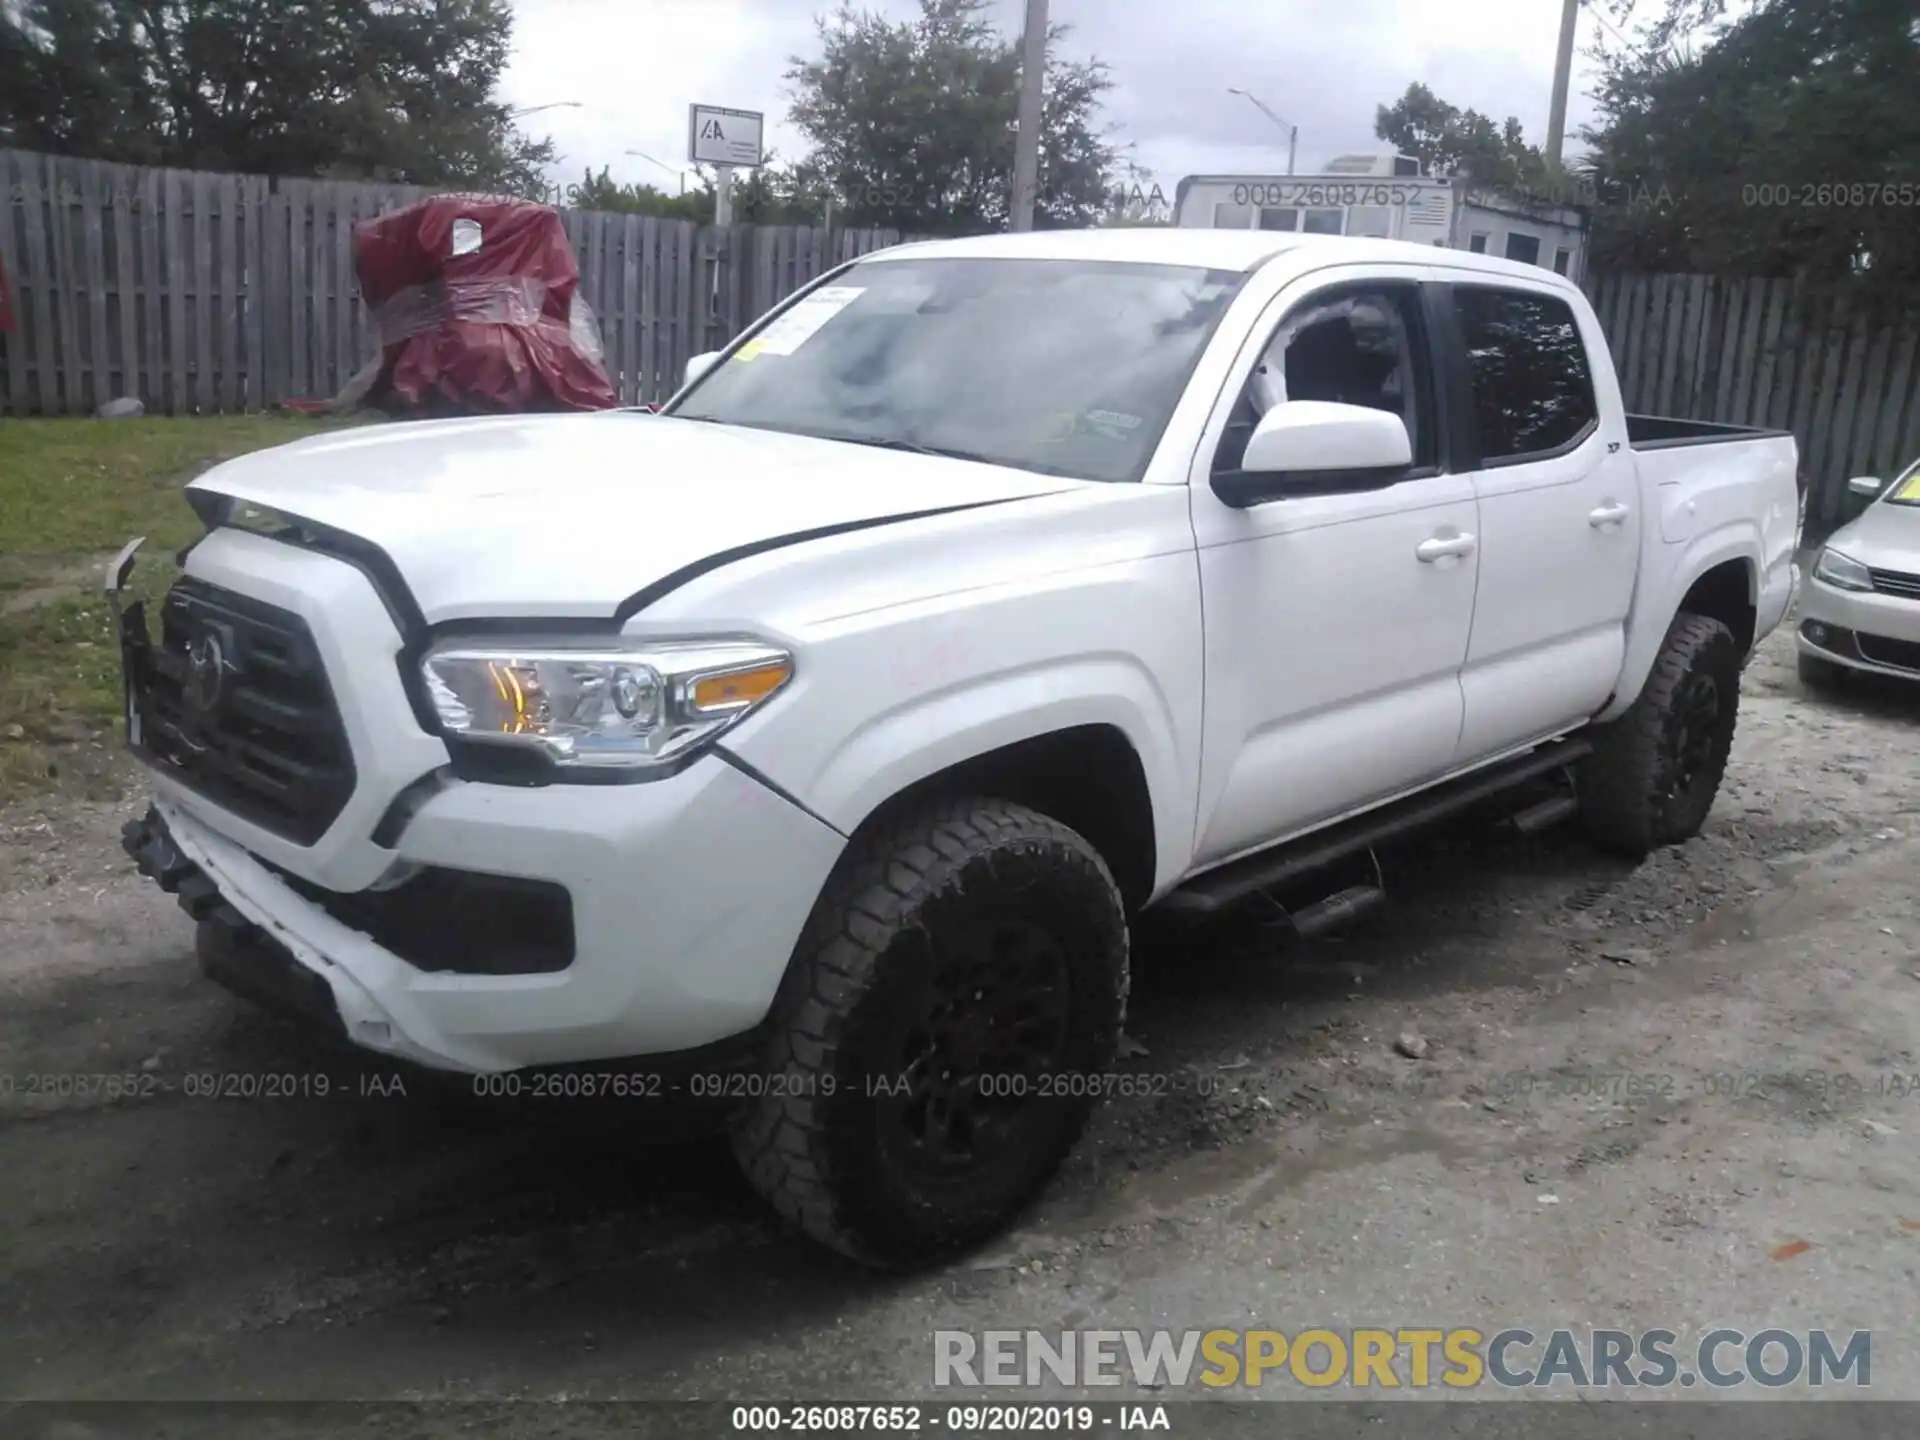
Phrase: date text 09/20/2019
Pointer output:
(976, 1419)
(737, 1085)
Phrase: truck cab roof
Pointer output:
(1242, 250)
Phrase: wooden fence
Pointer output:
(1843, 377)
(203, 293)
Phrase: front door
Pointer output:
(1336, 622)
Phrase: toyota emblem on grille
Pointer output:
(206, 671)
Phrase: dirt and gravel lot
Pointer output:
(1762, 982)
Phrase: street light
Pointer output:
(536, 109)
(642, 155)
(1293, 131)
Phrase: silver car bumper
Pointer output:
(1862, 630)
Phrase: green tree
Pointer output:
(399, 90)
(1446, 138)
(603, 192)
(911, 124)
(1783, 142)
(771, 194)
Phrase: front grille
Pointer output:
(1901, 654)
(234, 700)
(1896, 582)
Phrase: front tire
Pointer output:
(1655, 771)
(960, 956)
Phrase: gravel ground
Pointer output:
(1292, 1169)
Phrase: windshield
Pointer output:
(1906, 489)
(1063, 366)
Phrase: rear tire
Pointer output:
(1818, 674)
(1652, 778)
(960, 956)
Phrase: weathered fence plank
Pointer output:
(201, 187)
(94, 181)
(126, 295)
(685, 310)
(632, 377)
(13, 375)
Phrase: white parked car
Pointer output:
(821, 735)
(1861, 610)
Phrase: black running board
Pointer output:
(1220, 888)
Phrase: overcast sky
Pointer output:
(1323, 65)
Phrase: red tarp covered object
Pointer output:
(476, 300)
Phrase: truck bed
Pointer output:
(1661, 432)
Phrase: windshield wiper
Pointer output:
(879, 442)
(914, 447)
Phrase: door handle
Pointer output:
(1444, 547)
(1610, 514)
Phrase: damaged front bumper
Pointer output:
(233, 952)
(466, 926)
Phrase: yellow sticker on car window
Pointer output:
(1909, 489)
(749, 350)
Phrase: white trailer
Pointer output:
(1385, 197)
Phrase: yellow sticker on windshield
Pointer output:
(749, 350)
(1909, 489)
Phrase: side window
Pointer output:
(1359, 347)
(1532, 386)
(1373, 221)
(1524, 248)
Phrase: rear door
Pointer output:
(1559, 512)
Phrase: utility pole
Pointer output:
(1562, 82)
(1026, 141)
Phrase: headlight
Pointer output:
(1842, 571)
(609, 707)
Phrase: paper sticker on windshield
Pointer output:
(1910, 491)
(1114, 424)
(804, 320)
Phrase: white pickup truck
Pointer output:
(814, 742)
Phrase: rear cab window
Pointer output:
(1531, 377)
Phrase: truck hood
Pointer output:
(571, 515)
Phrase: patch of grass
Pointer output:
(69, 487)
(72, 491)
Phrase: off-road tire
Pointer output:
(888, 930)
(1630, 802)
(1819, 674)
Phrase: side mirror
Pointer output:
(1864, 485)
(1318, 445)
(699, 365)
